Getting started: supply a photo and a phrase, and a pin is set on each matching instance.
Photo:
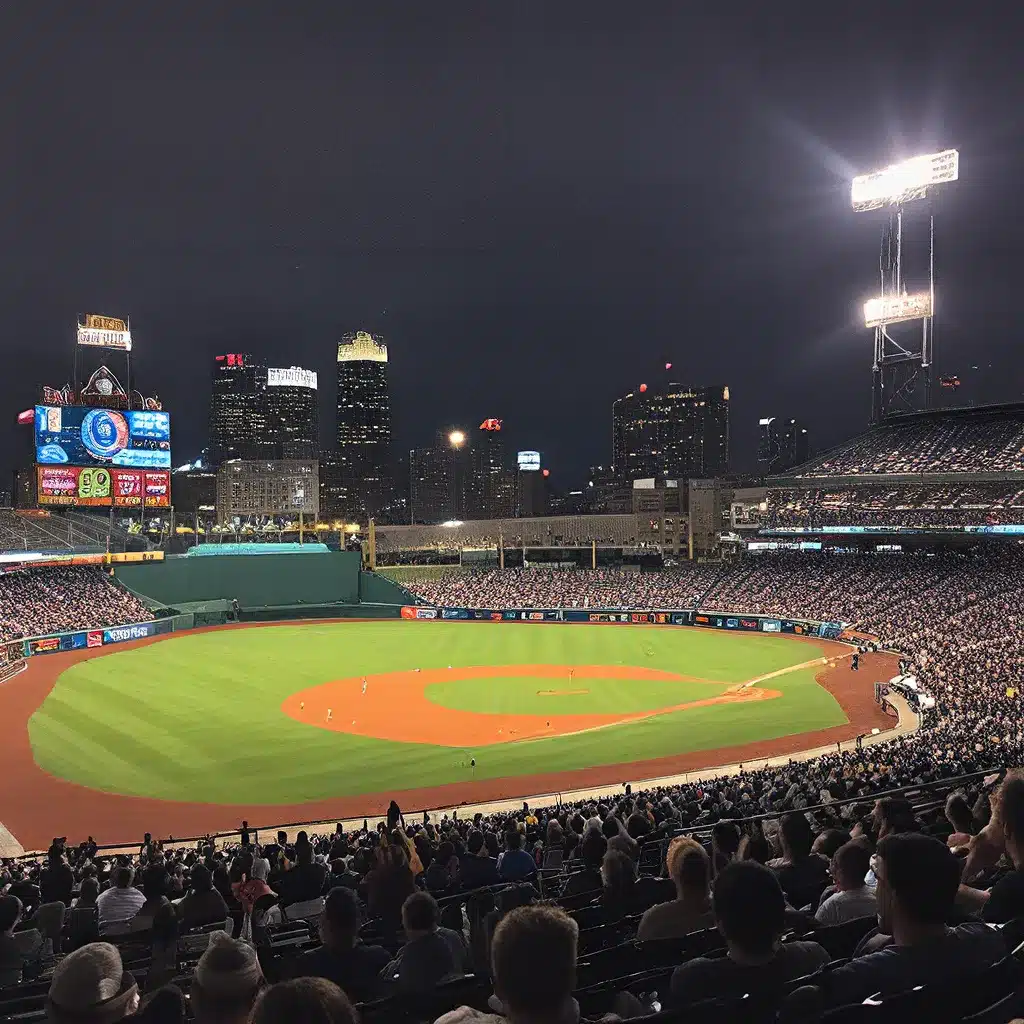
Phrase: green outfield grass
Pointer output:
(197, 716)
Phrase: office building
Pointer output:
(432, 485)
(291, 413)
(674, 433)
(364, 422)
(660, 507)
(491, 490)
(258, 412)
(531, 486)
(264, 489)
(238, 425)
(782, 444)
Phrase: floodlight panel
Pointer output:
(894, 309)
(907, 180)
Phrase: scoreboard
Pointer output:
(97, 486)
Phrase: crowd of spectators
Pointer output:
(560, 588)
(918, 506)
(34, 602)
(967, 441)
(840, 894)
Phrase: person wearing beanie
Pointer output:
(91, 986)
(227, 980)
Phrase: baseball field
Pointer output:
(278, 723)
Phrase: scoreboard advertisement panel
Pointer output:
(98, 486)
(82, 436)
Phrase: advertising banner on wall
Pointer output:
(119, 634)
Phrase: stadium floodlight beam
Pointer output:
(907, 180)
(902, 366)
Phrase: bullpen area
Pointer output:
(282, 723)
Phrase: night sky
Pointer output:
(536, 204)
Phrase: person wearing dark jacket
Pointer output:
(431, 953)
(476, 869)
(352, 965)
(56, 880)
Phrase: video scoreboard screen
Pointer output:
(68, 435)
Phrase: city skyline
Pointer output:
(583, 194)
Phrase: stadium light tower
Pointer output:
(902, 368)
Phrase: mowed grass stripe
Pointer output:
(196, 717)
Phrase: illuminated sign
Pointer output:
(528, 462)
(294, 377)
(491, 424)
(904, 181)
(80, 436)
(96, 486)
(895, 309)
(105, 332)
(234, 359)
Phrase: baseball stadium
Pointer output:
(531, 713)
(394, 699)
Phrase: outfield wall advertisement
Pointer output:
(82, 639)
(654, 617)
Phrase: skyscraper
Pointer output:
(238, 423)
(491, 487)
(261, 413)
(292, 417)
(364, 422)
(675, 433)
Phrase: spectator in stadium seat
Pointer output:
(1005, 901)
(121, 902)
(202, 904)
(91, 986)
(431, 953)
(16, 950)
(309, 1000)
(959, 815)
(515, 864)
(852, 898)
(306, 880)
(227, 981)
(443, 873)
(533, 963)
(388, 885)
(618, 885)
(917, 885)
(802, 874)
(56, 880)
(476, 869)
(725, 844)
(155, 882)
(689, 867)
(750, 908)
(350, 963)
(593, 847)
(163, 964)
